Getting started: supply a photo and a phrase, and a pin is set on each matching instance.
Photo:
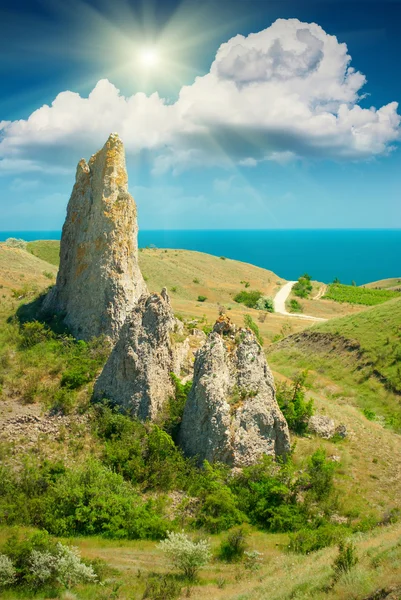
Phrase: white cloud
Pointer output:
(286, 92)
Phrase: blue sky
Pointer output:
(234, 114)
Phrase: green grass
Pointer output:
(370, 376)
(357, 295)
(47, 250)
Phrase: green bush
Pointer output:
(303, 287)
(33, 333)
(162, 587)
(249, 299)
(202, 298)
(250, 323)
(295, 306)
(233, 546)
(309, 540)
(265, 303)
(291, 400)
(321, 473)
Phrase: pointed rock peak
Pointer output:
(99, 280)
(231, 414)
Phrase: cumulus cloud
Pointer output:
(286, 92)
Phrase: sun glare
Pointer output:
(149, 57)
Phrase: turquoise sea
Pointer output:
(361, 255)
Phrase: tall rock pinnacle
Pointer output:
(231, 414)
(99, 280)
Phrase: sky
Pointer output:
(235, 114)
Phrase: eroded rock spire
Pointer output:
(231, 414)
(137, 375)
(99, 280)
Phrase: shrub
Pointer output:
(7, 571)
(233, 547)
(250, 323)
(249, 299)
(295, 306)
(303, 287)
(33, 333)
(369, 414)
(265, 303)
(291, 400)
(219, 510)
(162, 587)
(184, 554)
(320, 472)
(253, 560)
(202, 298)
(309, 540)
(345, 560)
(174, 288)
(63, 402)
(196, 280)
(40, 562)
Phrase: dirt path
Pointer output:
(320, 293)
(281, 298)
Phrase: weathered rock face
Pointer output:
(99, 280)
(137, 374)
(231, 414)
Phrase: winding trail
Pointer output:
(281, 298)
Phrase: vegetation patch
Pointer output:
(303, 287)
(358, 295)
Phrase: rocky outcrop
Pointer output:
(231, 414)
(322, 426)
(325, 427)
(137, 375)
(99, 281)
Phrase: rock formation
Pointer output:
(99, 281)
(231, 414)
(137, 375)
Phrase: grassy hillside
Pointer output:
(385, 284)
(190, 275)
(83, 472)
(361, 353)
(47, 250)
(22, 273)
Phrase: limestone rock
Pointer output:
(231, 414)
(99, 280)
(137, 373)
(322, 426)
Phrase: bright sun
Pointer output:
(149, 57)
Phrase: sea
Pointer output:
(359, 255)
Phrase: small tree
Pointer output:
(184, 554)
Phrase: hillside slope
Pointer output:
(360, 353)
